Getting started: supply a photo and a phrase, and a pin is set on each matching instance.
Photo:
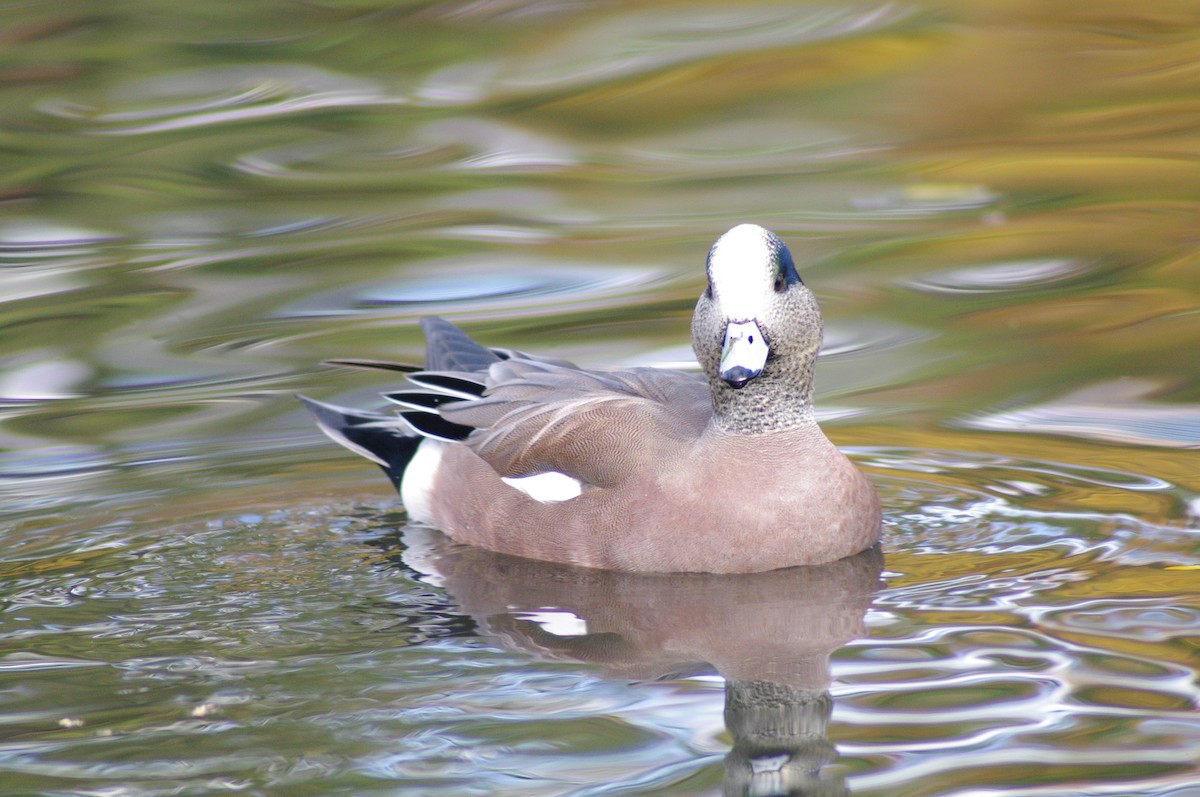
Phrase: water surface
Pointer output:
(996, 207)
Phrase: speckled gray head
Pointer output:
(757, 330)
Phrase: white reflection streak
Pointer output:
(937, 767)
(496, 233)
(665, 41)
(254, 94)
(507, 159)
(1116, 410)
(557, 622)
(937, 461)
(281, 108)
(1165, 426)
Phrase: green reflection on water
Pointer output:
(996, 206)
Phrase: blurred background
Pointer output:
(996, 203)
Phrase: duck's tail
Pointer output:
(454, 370)
(386, 440)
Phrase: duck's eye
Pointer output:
(708, 293)
(785, 271)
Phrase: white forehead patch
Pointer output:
(741, 270)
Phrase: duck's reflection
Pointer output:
(769, 634)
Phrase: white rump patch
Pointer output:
(548, 487)
(416, 491)
(741, 272)
(558, 622)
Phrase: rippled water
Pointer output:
(996, 207)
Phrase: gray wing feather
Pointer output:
(447, 348)
(595, 426)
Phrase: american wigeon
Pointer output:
(639, 469)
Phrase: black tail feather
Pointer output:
(383, 439)
(449, 384)
(419, 400)
(430, 424)
(375, 365)
(390, 441)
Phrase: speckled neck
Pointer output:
(780, 398)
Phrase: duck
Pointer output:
(635, 469)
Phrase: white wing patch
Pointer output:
(549, 487)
